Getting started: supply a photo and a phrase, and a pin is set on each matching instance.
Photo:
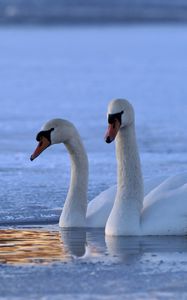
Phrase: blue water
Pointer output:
(72, 73)
(42, 264)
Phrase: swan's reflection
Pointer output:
(23, 246)
(74, 241)
(126, 249)
(93, 243)
(130, 249)
(82, 243)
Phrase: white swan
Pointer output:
(164, 209)
(75, 207)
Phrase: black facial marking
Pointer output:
(113, 117)
(45, 133)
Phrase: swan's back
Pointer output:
(100, 207)
(165, 208)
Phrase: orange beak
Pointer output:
(43, 144)
(112, 131)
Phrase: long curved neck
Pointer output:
(129, 175)
(74, 211)
(129, 197)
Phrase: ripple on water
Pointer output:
(49, 245)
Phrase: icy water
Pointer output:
(72, 73)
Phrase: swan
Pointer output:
(76, 212)
(164, 209)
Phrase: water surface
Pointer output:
(72, 73)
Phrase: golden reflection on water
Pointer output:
(30, 246)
